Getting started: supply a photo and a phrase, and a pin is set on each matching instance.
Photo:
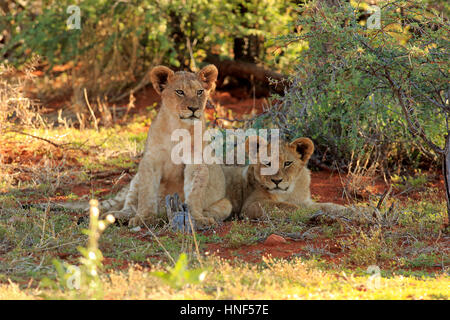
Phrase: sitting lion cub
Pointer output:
(201, 186)
(251, 192)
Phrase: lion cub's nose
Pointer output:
(193, 109)
(276, 181)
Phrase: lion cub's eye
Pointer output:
(267, 164)
(200, 92)
(287, 163)
(180, 92)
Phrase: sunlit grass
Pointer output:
(272, 279)
(69, 155)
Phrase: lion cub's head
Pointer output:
(293, 158)
(184, 93)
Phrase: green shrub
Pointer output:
(120, 40)
(349, 86)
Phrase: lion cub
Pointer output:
(201, 186)
(251, 192)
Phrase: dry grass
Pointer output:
(15, 107)
(294, 279)
(360, 177)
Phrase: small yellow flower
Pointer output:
(94, 211)
(110, 218)
(202, 276)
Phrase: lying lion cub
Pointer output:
(201, 186)
(251, 192)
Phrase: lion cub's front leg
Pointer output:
(149, 179)
(255, 210)
(196, 177)
(327, 207)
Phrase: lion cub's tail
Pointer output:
(117, 202)
(124, 204)
(124, 200)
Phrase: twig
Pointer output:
(142, 83)
(385, 194)
(39, 138)
(159, 242)
(90, 109)
(61, 145)
(199, 258)
(188, 44)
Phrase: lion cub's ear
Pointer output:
(160, 77)
(208, 76)
(304, 147)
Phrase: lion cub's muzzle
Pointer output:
(191, 113)
(278, 185)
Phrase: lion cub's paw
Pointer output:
(333, 208)
(122, 215)
(203, 222)
(285, 206)
(138, 221)
(135, 222)
(253, 211)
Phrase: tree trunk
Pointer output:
(247, 48)
(446, 172)
(249, 71)
(179, 38)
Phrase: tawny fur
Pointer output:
(157, 174)
(251, 193)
